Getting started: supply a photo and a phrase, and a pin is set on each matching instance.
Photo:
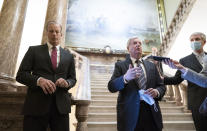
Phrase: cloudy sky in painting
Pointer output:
(109, 22)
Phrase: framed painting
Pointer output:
(100, 23)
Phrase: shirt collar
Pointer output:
(133, 60)
(199, 54)
(50, 46)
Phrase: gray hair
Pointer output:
(53, 22)
(203, 36)
(130, 40)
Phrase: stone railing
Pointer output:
(82, 91)
(178, 93)
(12, 98)
(175, 26)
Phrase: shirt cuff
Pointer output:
(184, 72)
(158, 93)
(125, 81)
(38, 81)
(68, 84)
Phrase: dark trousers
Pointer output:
(54, 120)
(145, 120)
(200, 121)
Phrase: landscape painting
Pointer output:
(100, 23)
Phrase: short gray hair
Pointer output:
(203, 36)
(53, 22)
(130, 40)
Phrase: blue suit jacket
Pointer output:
(197, 78)
(128, 102)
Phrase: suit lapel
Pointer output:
(147, 68)
(195, 64)
(46, 53)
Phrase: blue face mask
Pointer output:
(196, 45)
(148, 99)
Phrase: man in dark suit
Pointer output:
(49, 72)
(196, 94)
(134, 111)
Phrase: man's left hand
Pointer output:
(62, 83)
(152, 92)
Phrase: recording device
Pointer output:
(158, 58)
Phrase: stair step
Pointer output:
(100, 79)
(112, 109)
(99, 89)
(104, 117)
(102, 109)
(113, 102)
(103, 102)
(100, 92)
(168, 126)
(175, 109)
(178, 125)
(104, 97)
(99, 84)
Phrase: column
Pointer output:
(56, 11)
(11, 25)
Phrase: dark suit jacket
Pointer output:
(37, 63)
(128, 101)
(196, 94)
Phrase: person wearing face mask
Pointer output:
(190, 75)
(140, 88)
(196, 93)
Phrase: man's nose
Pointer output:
(137, 45)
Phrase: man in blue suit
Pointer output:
(140, 87)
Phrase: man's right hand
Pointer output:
(47, 85)
(132, 73)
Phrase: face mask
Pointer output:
(195, 45)
(147, 98)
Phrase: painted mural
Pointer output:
(100, 23)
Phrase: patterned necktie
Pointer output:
(54, 57)
(141, 80)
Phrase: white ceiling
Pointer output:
(196, 22)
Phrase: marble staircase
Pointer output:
(102, 111)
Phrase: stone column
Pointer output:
(56, 11)
(11, 23)
(177, 95)
(81, 113)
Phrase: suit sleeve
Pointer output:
(71, 76)
(117, 82)
(176, 79)
(24, 74)
(159, 85)
(196, 78)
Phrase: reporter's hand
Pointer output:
(47, 85)
(170, 63)
(132, 73)
(62, 83)
(174, 64)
